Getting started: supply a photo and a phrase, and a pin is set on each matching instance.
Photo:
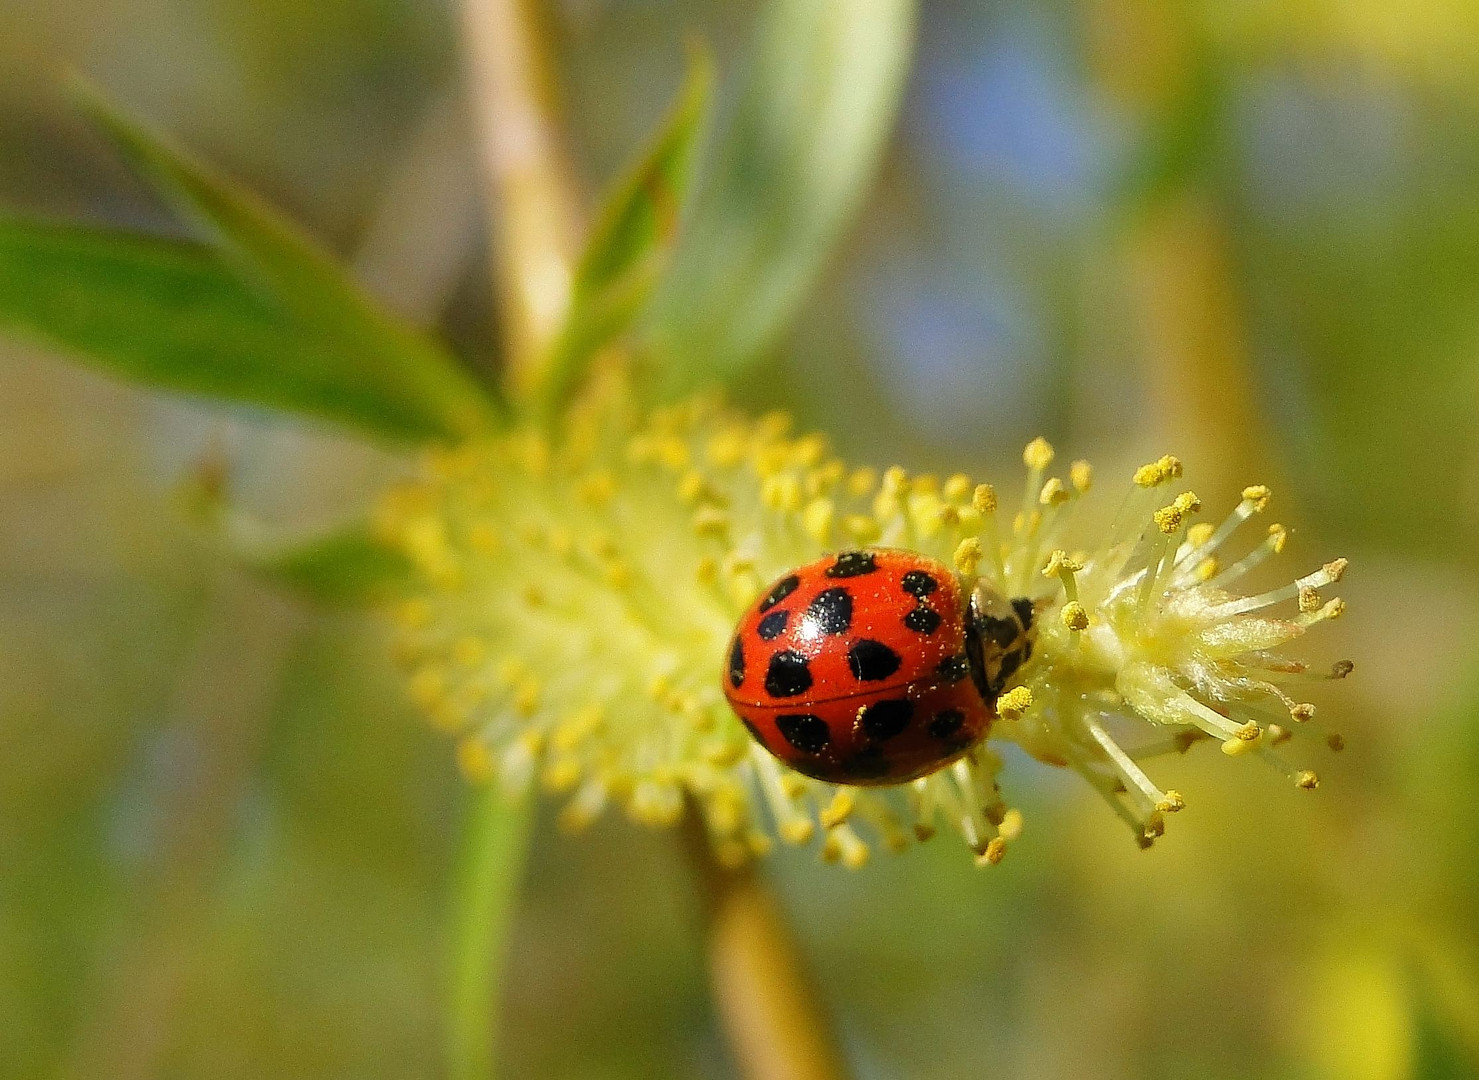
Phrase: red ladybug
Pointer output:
(873, 666)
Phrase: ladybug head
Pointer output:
(999, 636)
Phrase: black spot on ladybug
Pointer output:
(853, 564)
(753, 730)
(953, 668)
(1002, 632)
(918, 583)
(922, 620)
(872, 660)
(831, 611)
(946, 723)
(1026, 651)
(773, 625)
(779, 591)
(867, 764)
(787, 675)
(804, 731)
(1023, 607)
(885, 719)
(736, 664)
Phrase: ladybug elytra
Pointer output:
(874, 666)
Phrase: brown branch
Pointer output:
(532, 195)
(769, 1007)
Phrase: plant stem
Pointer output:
(495, 841)
(774, 1020)
(532, 195)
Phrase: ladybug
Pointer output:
(874, 666)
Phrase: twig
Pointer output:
(772, 1015)
(532, 195)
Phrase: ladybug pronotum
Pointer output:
(874, 666)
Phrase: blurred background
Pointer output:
(1246, 232)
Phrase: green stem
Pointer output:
(490, 866)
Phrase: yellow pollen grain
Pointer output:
(475, 760)
(1158, 472)
(1309, 599)
(1011, 824)
(837, 811)
(726, 448)
(958, 488)
(1074, 616)
(1187, 502)
(810, 449)
(1206, 570)
(983, 499)
(711, 523)
(1307, 780)
(1278, 536)
(1199, 533)
(862, 528)
(1170, 802)
(1038, 454)
(797, 831)
(968, 555)
(526, 697)
(1335, 570)
(1250, 732)
(1014, 703)
(1053, 493)
(561, 775)
(691, 486)
(861, 482)
(817, 518)
(1081, 476)
(996, 850)
(1168, 519)
(1257, 496)
(1302, 712)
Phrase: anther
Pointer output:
(1038, 454)
(1074, 616)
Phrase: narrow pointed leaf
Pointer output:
(175, 315)
(795, 160)
(269, 252)
(634, 236)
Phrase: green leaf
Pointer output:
(174, 315)
(794, 164)
(342, 568)
(634, 236)
(398, 361)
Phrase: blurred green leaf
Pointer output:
(173, 315)
(633, 237)
(399, 361)
(794, 164)
(339, 568)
